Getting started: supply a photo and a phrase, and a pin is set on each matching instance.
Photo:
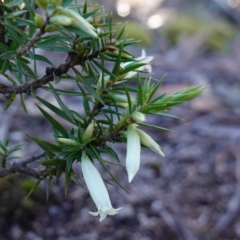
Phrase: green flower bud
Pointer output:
(77, 21)
(68, 141)
(88, 132)
(80, 49)
(138, 117)
(42, 3)
(51, 28)
(39, 20)
(61, 20)
(120, 98)
(55, 3)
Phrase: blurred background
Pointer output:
(192, 193)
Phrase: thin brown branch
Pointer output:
(32, 159)
(71, 61)
(23, 50)
(23, 168)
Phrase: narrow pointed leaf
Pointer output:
(10, 101)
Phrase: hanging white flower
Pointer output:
(97, 189)
(147, 141)
(133, 152)
(143, 59)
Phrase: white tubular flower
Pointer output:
(133, 152)
(77, 20)
(148, 142)
(143, 59)
(97, 189)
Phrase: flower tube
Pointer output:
(97, 189)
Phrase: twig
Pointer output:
(71, 61)
(18, 168)
(23, 168)
(36, 36)
(32, 159)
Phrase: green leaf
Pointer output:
(155, 88)
(128, 98)
(9, 54)
(14, 14)
(53, 162)
(48, 147)
(3, 47)
(13, 3)
(10, 101)
(105, 167)
(19, 71)
(5, 66)
(167, 115)
(140, 95)
(16, 30)
(39, 58)
(23, 103)
(117, 64)
(76, 180)
(62, 105)
(30, 8)
(104, 69)
(112, 153)
(34, 187)
(67, 178)
(7, 9)
(66, 2)
(90, 89)
(64, 92)
(121, 31)
(55, 109)
(56, 125)
(131, 67)
(155, 127)
(58, 173)
(9, 78)
(49, 40)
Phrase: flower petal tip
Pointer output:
(130, 177)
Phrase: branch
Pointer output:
(18, 168)
(71, 61)
(36, 36)
(23, 168)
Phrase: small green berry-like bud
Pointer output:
(39, 20)
(138, 117)
(61, 20)
(80, 49)
(88, 132)
(68, 141)
(42, 3)
(55, 3)
(51, 28)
